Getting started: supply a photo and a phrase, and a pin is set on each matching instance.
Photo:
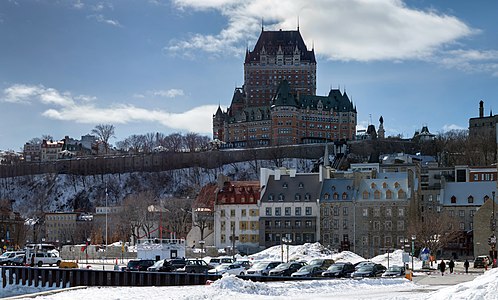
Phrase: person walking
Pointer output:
(466, 264)
(442, 267)
(451, 265)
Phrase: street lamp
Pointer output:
(286, 241)
(413, 248)
(86, 249)
(201, 242)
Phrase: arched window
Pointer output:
(470, 199)
(384, 185)
(389, 194)
(307, 197)
(396, 184)
(373, 185)
(366, 195)
(281, 197)
(401, 194)
(326, 196)
(336, 196)
(377, 194)
(285, 185)
(301, 185)
(453, 199)
(344, 196)
(271, 197)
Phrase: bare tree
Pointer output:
(104, 132)
(174, 142)
(435, 230)
(178, 216)
(138, 216)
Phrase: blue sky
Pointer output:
(165, 65)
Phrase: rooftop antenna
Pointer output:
(298, 23)
(370, 117)
(262, 25)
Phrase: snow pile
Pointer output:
(347, 256)
(305, 252)
(396, 258)
(236, 285)
(483, 287)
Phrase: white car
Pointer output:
(234, 269)
(44, 258)
(216, 261)
(262, 268)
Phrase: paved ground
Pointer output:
(434, 277)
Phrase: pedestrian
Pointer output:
(442, 267)
(451, 265)
(466, 265)
(486, 263)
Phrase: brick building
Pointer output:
(277, 105)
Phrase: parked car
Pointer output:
(216, 261)
(234, 269)
(163, 265)
(363, 263)
(195, 266)
(481, 261)
(7, 257)
(263, 268)
(244, 262)
(45, 258)
(324, 263)
(286, 269)
(369, 271)
(139, 264)
(308, 271)
(178, 262)
(19, 260)
(339, 270)
(394, 271)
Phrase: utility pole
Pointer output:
(233, 241)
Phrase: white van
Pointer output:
(44, 258)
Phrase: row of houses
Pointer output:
(368, 209)
(49, 150)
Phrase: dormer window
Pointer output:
(307, 197)
(297, 197)
(453, 199)
(301, 185)
(333, 187)
(281, 197)
(372, 185)
(285, 185)
(336, 196)
(270, 197)
(384, 185)
(396, 184)
(470, 199)
(344, 196)
(326, 196)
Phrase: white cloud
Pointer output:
(82, 109)
(171, 93)
(101, 19)
(78, 4)
(340, 29)
(449, 127)
(470, 60)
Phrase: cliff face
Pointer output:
(64, 192)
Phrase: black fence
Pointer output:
(63, 278)
(48, 277)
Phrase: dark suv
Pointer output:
(139, 264)
(195, 266)
(481, 261)
(338, 270)
(286, 269)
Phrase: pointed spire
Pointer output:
(326, 161)
(298, 23)
(262, 25)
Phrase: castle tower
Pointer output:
(381, 132)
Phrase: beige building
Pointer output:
(483, 228)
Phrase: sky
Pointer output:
(165, 65)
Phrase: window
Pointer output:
(389, 212)
(298, 224)
(344, 196)
(297, 197)
(365, 212)
(222, 212)
(376, 211)
(453, 199)
(281, 197)
(366, 195)
(389, 194)
(308, 211)
(344, 211)
(471, 213)
(268, 211)
(307, 197)
(401, 225)
(270, 197)
(287, 223)
(278, 224)
(377, 194)
(308, 224)
(345, 224)
(376, 225)
(462, 226)
(285, 185)
(451, 213)
(461, 213)
(336, 196)
(297, 211)
(232, 213)
(326, 196)
(401, 212)
(470, 199)
(335, 223)
(301, 185)
(401, 194)
(287, 211)
(388, 225)
(336, 211)
(326, 211)
(278, 211)
(243, 212)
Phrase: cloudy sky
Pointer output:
(165, 65)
